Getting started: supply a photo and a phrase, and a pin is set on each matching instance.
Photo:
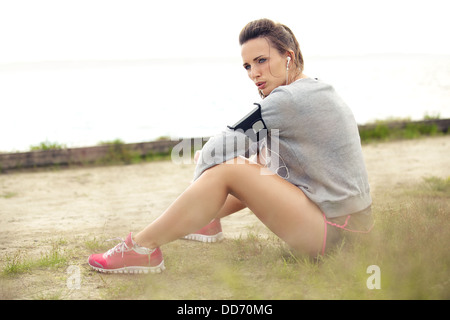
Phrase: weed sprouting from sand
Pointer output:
(15, 263)
(18, 262)
(8, 195)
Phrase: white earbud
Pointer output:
(287, 69)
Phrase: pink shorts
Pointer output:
(336, 228)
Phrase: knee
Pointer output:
(215, 172)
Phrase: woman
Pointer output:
(321, 193)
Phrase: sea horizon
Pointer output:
(82, 103)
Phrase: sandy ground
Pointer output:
(111, 201)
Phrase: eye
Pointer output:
(247, 67)
(262, 60)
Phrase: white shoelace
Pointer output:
(120, 247)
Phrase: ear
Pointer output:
(290, 53)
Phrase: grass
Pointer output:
(390, 129)
(18, 263)
(120, 153)
(409, 244)
(8, 195)
(47, 145)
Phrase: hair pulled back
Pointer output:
(279, 36)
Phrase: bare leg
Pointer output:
(281, 206)
(232, 205)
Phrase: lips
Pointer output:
(261, 85)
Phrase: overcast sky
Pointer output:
(55, 30)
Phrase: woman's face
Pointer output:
(264, 64)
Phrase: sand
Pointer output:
(111, 201)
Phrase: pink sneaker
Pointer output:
(128, 257)
(212, 232)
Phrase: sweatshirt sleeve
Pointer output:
(220, 148)
(230, 143)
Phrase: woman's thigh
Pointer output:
(280, 205)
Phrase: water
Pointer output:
(83, 103)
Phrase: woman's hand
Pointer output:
(197, 156)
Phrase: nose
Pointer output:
(255, 72)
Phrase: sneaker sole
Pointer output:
(203, 238)
(132, 270)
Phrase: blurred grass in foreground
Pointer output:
(409, 244)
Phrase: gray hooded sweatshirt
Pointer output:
(312, 142)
